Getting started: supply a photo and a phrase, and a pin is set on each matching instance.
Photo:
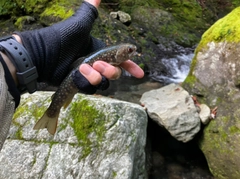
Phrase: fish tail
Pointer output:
(47, 122)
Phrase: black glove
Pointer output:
(54, 48)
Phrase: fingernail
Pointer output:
(86, 70)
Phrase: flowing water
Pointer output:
(130, 89)
(177, 67)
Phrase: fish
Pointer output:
(113, 55)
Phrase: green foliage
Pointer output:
(7, 7)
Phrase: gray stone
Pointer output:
(124, 17)
(204, 113)
(114, 15)
(172, 107)
(113, 146)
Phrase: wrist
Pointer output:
(8, 62)
(19, 63)
(11, 67)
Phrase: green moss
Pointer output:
(188, 13)
(141, 65)
(225, 29)
(130, 5)
(114, 174)
(57, 11)
(235, 3)
(87, 120)
(20, 110)
(22, 20)
(37, 111)
(32, 6)
(190, 81)
(234, 130)
(18, 134)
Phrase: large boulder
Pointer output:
(215, 78)
(97, 137)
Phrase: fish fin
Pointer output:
(68, 101)
(47, 122)
(52, 96)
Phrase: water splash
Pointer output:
(177, 67)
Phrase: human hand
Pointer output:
(94, 74)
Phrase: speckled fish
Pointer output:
(113, 55)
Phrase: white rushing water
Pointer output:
(177, 67)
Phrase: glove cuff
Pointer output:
(84, 86)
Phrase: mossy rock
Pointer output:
(129, 5)
(215, 79)
(164, 24)
(224, 30)
(24, 20)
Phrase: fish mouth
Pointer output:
(135, 54)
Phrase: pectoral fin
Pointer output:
(68, 101)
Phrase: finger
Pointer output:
(95, 3)
(132, 68)
(90, 74)
(107, 70)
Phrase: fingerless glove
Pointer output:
(54, 48)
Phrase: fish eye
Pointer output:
(130, 49)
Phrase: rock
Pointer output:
(172, 107)
(97, 137)
(114, 15)
(204, 113)
(215, 78)
(124, 17)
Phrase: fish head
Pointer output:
(125, 52)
